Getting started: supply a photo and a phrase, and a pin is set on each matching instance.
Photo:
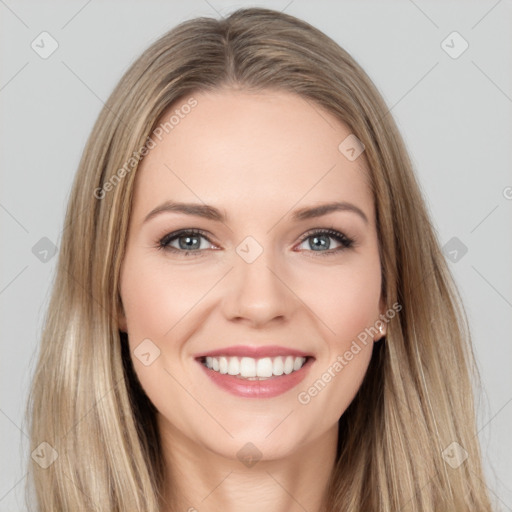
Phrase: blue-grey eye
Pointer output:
(320, 241)
(187, 240)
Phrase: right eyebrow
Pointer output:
(200, 210)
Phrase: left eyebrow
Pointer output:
(324, 209)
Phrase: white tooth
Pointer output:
(247, 367)
(278, 367)
(223, 365)
(288, 365)
(299, 361)
(233, 366)
(264, 367)
(250, 368)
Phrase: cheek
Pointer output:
(348, 344)
(156, 299)
(345, 300)
(346, 304)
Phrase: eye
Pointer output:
(319, 241)
(184, 241)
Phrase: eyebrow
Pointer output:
(212, 213)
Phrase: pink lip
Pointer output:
(255, 352)
(267, 388)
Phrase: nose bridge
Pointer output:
(255, 290)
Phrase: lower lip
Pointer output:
(268, 388)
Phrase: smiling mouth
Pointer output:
(249, 368)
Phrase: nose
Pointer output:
(257, 293)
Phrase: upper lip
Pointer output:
(254, 352)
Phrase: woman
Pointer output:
(199, 352)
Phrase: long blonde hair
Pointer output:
(416, 399)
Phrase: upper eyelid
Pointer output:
(329, 231)
(181, 232)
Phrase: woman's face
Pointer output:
(259, 283)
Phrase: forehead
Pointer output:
(260, 151)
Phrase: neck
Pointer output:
(199, 479)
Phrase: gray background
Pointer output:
(453, 113)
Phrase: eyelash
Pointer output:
(345, 241)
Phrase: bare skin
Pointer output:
(257, 158)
